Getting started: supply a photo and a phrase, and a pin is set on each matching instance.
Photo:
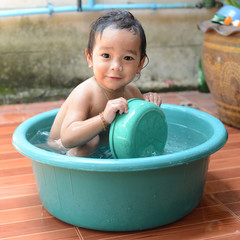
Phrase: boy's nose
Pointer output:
(116, 66)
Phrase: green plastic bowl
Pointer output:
(125, 194)
(142, 132)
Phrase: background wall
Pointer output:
(42, 57)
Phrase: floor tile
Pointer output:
(206, 230)
(18, 191)
(19, 202)
(65, 234)
(228, 197)
(15, 163)
(222, 174)
(32, 227)
(23, 214)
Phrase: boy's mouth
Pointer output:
(115, 77)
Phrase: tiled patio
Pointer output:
(22, 215)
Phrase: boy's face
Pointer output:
(115, 58)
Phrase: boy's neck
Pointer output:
(111, 94)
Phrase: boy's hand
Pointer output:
(112, 107)
(153, 97)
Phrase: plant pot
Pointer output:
(221, 66)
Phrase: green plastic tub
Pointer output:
(126, 194)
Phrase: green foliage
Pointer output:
(233, 3)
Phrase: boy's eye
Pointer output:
(128, 58)
(105, 55)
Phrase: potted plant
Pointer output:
(233, 3)
(221, 67)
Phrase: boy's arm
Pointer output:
(76, 129)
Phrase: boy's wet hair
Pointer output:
(119, 20)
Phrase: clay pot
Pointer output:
(221, 66)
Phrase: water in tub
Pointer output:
(180, 138)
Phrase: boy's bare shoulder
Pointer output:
(84, 91)
(133, 91)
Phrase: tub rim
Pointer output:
(214, 143)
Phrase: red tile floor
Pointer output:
(22, 215)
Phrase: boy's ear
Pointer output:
(89, 58)
(141, 65)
